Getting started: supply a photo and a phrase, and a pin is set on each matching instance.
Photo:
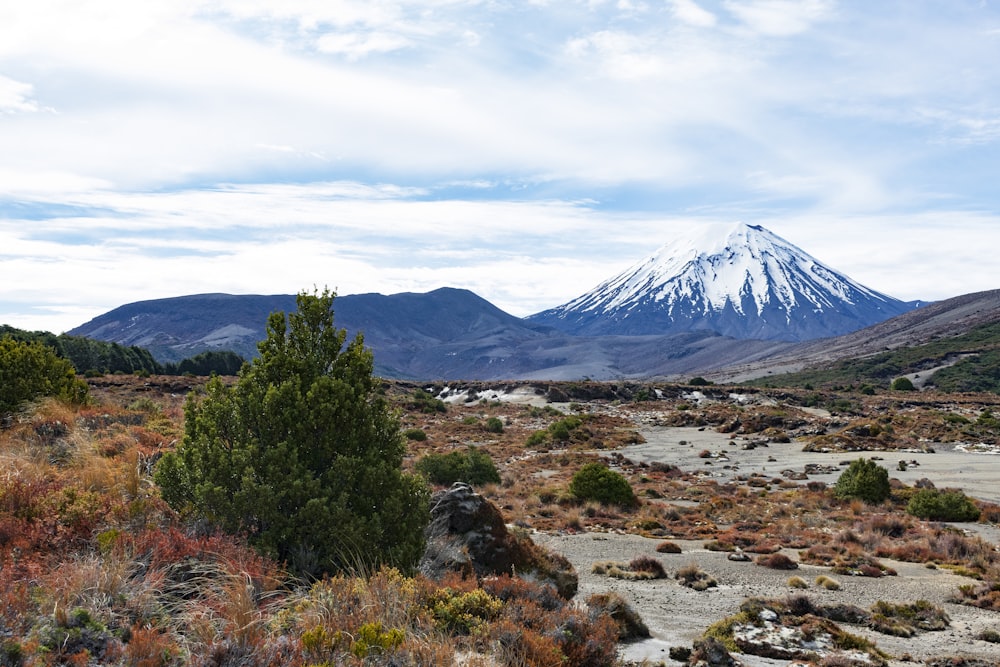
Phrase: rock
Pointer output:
(467, 534)
(710, 652)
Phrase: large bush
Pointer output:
(863, 479)
(942, 506)
(595, 481)
(32, 370)
(302, 453)
(471, 466)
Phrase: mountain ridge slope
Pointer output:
(748, 284)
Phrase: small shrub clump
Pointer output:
(902, 384)
(648, 564)
(415, 434)
(904, 620)
(777, 561)
(695, 578)
(472, 466)
(668, 547)
(641, 568)
(494, 425)
(423, 401)
(936, 505)
(863, 479)
(597, 482)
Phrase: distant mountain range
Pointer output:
(747, 284)
(694, 307)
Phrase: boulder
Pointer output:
(467, 534)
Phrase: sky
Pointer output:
(526, 151)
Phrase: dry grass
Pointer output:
(692, 576)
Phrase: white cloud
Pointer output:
(16, 96)
(359, 45)
(779, 18)
(688, 11)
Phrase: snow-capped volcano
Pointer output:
(747, 283)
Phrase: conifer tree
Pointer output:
(302, 453)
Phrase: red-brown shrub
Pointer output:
(668, 547)
(649, 565)
(148, 647)
(777, 561)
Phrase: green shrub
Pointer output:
(938, 505)
(33, 370)
(464, 613)
(863, 479)
(415, 434)
(595, 481)
(374, 640)
(421, 401)
(472, 466)
(560, 430)
(536, 438)
(494, 425)
(902, 384)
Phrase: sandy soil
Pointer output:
(677, 615)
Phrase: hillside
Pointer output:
(443, 334)
(957, 340)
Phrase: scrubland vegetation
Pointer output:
(119, 545)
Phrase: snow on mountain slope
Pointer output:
(747, 283)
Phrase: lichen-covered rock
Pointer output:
(467, 534)
(710, 652)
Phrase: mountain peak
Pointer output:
(743, 281)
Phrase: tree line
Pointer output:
(97, 357)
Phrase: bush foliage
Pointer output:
(471, 466)
(33, 370)
(902, 384)
(595, 481)
(302, 454)
(942, 506)
(863, 479)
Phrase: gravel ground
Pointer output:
(948, 466)
(677, 616)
